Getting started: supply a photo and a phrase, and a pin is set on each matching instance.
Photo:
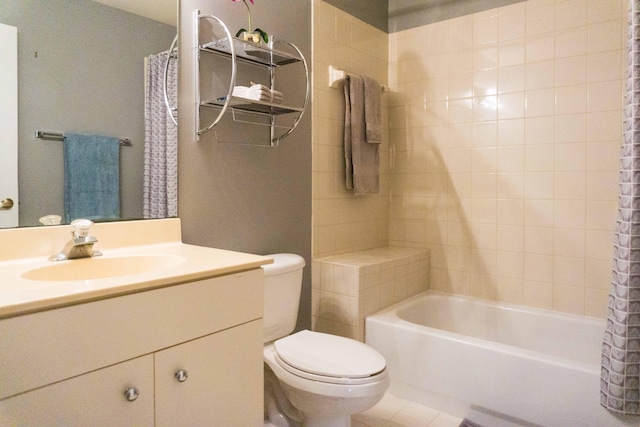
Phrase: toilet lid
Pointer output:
(329, 355)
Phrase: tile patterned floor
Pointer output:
(392, 411)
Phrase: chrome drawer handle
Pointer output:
(181, 375)
(131, 394)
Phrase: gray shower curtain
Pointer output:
(160, 141)
(620, 373)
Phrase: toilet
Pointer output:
(312, 379)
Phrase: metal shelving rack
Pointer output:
(237, 51)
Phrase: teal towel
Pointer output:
(91, 177)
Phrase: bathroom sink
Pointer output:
(101, 267)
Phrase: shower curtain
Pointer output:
(160, 141)
(620, 372)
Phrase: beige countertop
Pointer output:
(172, 262)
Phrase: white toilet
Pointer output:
(312, 379)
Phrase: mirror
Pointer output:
(81, 70)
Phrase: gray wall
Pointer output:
(405, 14)
(80, 68)
(398, 15)
(247, 198)
(373, 12)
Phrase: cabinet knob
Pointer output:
(6, 203)
(131, 394)
(181, 375)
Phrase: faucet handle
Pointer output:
(81, 228)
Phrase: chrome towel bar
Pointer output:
(45, 134)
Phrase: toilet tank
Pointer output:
(282, 287)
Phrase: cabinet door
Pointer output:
(224, 386)
(93, 399)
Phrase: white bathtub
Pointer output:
(496, 364)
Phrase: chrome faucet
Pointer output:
(80, 245)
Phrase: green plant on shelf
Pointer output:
(251, 35)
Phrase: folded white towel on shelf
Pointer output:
(240, 91)
(258, 92)
(259, 88)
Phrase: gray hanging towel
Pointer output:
(372, 111)
(91, 177)
(362, 135)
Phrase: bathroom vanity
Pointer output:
(177, 343)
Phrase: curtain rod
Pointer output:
(45, 134)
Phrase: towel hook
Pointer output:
(336, 76)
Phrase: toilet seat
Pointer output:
(329, 358)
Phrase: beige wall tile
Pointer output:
(571, 70)
(595, 302)
(569, 271)
(570, 128)
(510, 79)
(571, 99)
(538, 213)
(540, 17)
(542, 74)
(540, 47)
(604, 96)
(571, 13)
(571, 42)
(538, 268)
(485, 31)
(539, 158)
(540, 102)
(604, 66)
(511, 105)
(511, 132)
(538, 185)
(538, 240)
(511, 52)
(540, 130)
(569, 299)
(604, 36)
(485, 58)
(539, 295)
(605, 10)
(509, 289)
(511, 25)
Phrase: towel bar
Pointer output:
(336, 76)
(45, 134)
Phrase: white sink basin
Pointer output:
(101, 267)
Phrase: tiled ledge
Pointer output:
(349, 287)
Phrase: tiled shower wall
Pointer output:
(502, 153)
(505, 129)
(342, 222)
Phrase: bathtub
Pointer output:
(495, 364)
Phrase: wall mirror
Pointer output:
(81, 69)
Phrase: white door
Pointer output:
(8, 126)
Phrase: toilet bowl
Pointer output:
(323, 378)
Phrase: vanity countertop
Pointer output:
(157, 242)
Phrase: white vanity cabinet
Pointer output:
(187, 354)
